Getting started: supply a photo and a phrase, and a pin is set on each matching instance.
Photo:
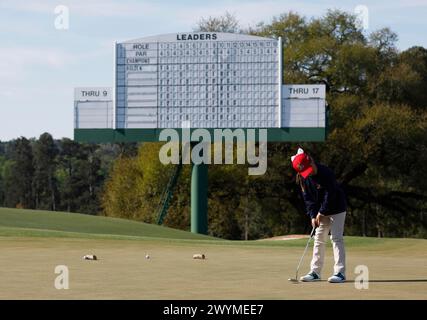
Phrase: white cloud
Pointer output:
(249, 11)
(47, 107)
(410, 4)
(108, 8)
(32, 6)
(15, 62)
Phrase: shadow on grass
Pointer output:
(384, 281)
(370, 281)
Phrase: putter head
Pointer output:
(292, 280)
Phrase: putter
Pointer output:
(305, 250)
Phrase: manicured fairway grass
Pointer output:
(33, 243)
(46, 223)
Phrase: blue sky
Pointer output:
(40, 65)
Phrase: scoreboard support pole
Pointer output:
(199, 198)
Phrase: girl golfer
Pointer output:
(326, 206)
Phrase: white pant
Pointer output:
(335, 224)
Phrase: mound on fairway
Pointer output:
(19, 222)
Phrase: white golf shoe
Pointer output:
(310, 277)
(337, 278)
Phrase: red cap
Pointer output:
(302, 163)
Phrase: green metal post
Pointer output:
(199, 198)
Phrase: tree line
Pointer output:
(376, 145)
(57, 175)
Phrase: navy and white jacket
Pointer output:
(322, 194)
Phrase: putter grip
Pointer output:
(313, 231)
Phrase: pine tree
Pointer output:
(18, 178)
(45, 183)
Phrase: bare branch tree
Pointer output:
(225, 23)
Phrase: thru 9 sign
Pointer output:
(200, 80)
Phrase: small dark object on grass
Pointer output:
(90, 257)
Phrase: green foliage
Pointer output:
(2, 165)
(81, 172)
(414, 80)
(55, 175)
(136, 185)
(44, 181)
(18, 176)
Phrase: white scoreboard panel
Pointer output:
(209, 80)
(303, 106)
(93, 108)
